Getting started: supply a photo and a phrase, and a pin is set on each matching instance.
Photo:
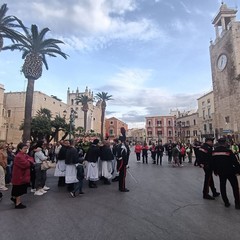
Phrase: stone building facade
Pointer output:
(93, 114)
(225, 65)
(206, 115)
(136, 135)
(187, 126)
(113, 126)
(12, 107)
(14, 103)
(160, 128)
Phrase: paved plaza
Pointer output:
(163, 203)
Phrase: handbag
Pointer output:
(45, 165)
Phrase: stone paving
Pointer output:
(163, 203)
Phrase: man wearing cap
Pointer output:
(122, 155)
(226, 166)
(205, 162)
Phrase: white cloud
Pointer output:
(89, 24)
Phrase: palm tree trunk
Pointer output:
(102, 122)
(28, 111)
(85, 121)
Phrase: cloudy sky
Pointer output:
(151, 55)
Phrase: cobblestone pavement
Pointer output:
(163, 203)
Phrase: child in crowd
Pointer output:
(80, 177)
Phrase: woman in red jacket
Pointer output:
(138, 149)
(21, 175)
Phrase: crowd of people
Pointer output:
(221, 159)
(75, 161)
(27, 165)
(176, 152)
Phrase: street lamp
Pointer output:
(73, 116)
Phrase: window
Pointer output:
(203, 113)
(159, 132)
(194, 122)
(9, 113)
(149, 123)
(149, 133)
(205, 127)
(209, 112)
(159, 123)
(111, 122)
(169, 133)
(169, 122)
(111, 133)
(203, 103)
(72, 101)
(210, 126)
(208, 101)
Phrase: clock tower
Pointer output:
(225, 65)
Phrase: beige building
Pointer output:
(187, 126)
(3, 123)
(160, 128)
(14, 103)
(206, 115)
(13, 112)
(136, 135)
(225, 65)
(93, 114)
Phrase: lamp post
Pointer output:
(73, 116)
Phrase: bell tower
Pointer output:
(225, 66)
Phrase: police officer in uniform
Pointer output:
(226, 166)
(205, 162)
(122, 160)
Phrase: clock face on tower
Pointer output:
(222, 62)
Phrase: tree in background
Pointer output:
(7, 26)
(103, 97)
(35, 48)
(84, 100)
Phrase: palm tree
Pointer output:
(7, 26)
(35, 48)
(103, 97)
(84, 100)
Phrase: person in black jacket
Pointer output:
(60, 169)
(93, 153)
(106, 156)
(122, 161)
(159, 150)
(226, 166)
(72, 158)
(205, 162)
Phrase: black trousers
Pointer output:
(234, 183)
(145, 157)
(138, 156)
(159, 156)
(122, 176)
(208, 182)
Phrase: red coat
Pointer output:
(138, 148)
(21, 169)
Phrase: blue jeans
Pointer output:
(78, 186)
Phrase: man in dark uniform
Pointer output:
(205, 162)
(226, 166)
(122, 161)
(196, 145)
(169, 148)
